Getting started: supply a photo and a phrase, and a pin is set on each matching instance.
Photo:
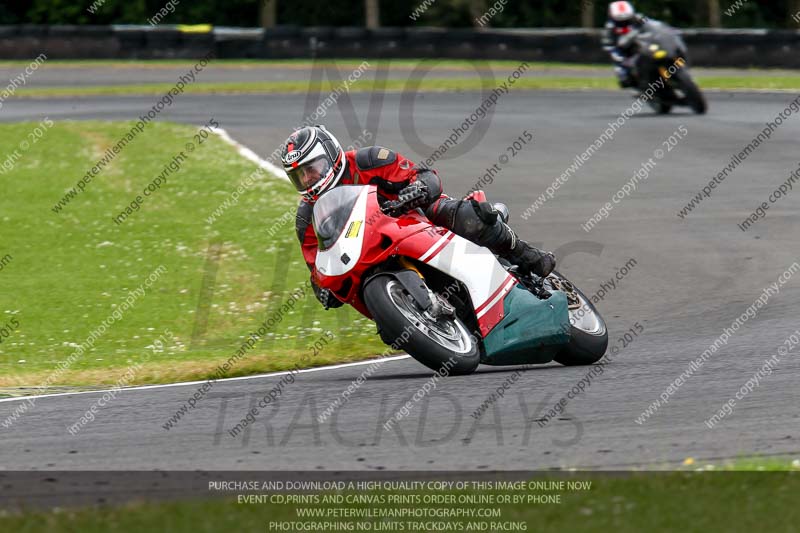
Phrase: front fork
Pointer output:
(437, 306)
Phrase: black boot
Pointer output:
(523, 255)
(530, 259)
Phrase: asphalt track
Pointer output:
(692, 278)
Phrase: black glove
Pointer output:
(410, 197)
(326, 297)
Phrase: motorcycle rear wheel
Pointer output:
(440, 343)
(588, 333)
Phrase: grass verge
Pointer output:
(782, 83)
(405, 64)
(68, 272)
(678, 501)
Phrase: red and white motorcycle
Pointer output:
(446, 301)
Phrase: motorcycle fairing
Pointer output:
(367, 239)
(477, 268)
(531, 331)
(358, 248)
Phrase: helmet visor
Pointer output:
(309, 174)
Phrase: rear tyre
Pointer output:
(694, 97)
(588, 334)
(437, 342)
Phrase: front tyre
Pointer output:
(659, 106)
(588, 332)
(439, 343)
(694, 97)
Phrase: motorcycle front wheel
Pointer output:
(442, 343)
(694, 97)
(659, 106)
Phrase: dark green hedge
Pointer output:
(451, 13)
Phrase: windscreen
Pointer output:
(332, 211)
(662, 35)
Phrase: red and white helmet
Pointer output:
(314, 160)
(622, 15)
(621, 12)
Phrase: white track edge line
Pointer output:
(250, 155)
(184, 383)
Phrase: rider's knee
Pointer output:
(477, 221)
(473, 220)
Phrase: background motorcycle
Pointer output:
(448, 302)
(661, 53)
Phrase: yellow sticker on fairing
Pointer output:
(352, 231)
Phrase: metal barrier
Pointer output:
(729, 48)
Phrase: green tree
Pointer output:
(373, 13)
(442, 13)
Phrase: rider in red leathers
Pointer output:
(315, 163)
